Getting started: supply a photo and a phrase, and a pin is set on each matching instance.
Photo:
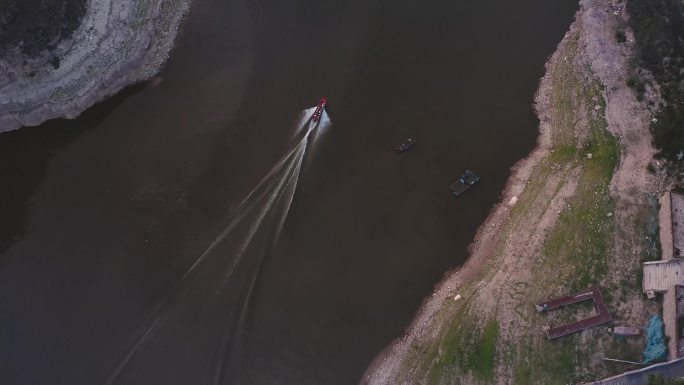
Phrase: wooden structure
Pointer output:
(594, 294)
(666, 275)
(626, 331)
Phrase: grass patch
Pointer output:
(560, 361)
(649, 222)
(651, 250)
(635, 83)
(577, 249)
(580, 240)
(451, 355)
(464, 349)
(548, 363)
(563, 153)
(482, 358)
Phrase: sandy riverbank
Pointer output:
(579, 221)
(116, 44)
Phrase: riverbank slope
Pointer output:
(117, 43)
(586, 216)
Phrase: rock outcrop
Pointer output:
(118, 42)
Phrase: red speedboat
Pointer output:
(319, 109)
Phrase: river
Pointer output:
(104, 217)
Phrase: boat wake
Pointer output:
(194, 334)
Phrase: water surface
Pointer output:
(102, 215)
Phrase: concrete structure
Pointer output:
(663, 277)
(672, 369)
(666, 275)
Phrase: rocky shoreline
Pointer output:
(582, 98)
(117, 43)
(388, 366)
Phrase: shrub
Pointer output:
(658, 27)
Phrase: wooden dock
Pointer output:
(661, 276)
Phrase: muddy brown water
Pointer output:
(101, 216)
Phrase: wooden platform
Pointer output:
(670, 322)
(594, 294)
(661, 276)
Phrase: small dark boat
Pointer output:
(405, 145)
(464, 183)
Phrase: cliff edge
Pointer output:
(98, 48)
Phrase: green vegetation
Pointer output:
(651, 250)
(481, 360)
(465, 349)
(54, 62)
(637, 85)
(577, 249)
(580, 240)
(454, 349)
(660, 380)
(649, 220)
(563, 153)
(659, 31)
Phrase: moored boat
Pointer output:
(405, 145)
(464, 183)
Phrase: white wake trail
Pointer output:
(263, 213)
